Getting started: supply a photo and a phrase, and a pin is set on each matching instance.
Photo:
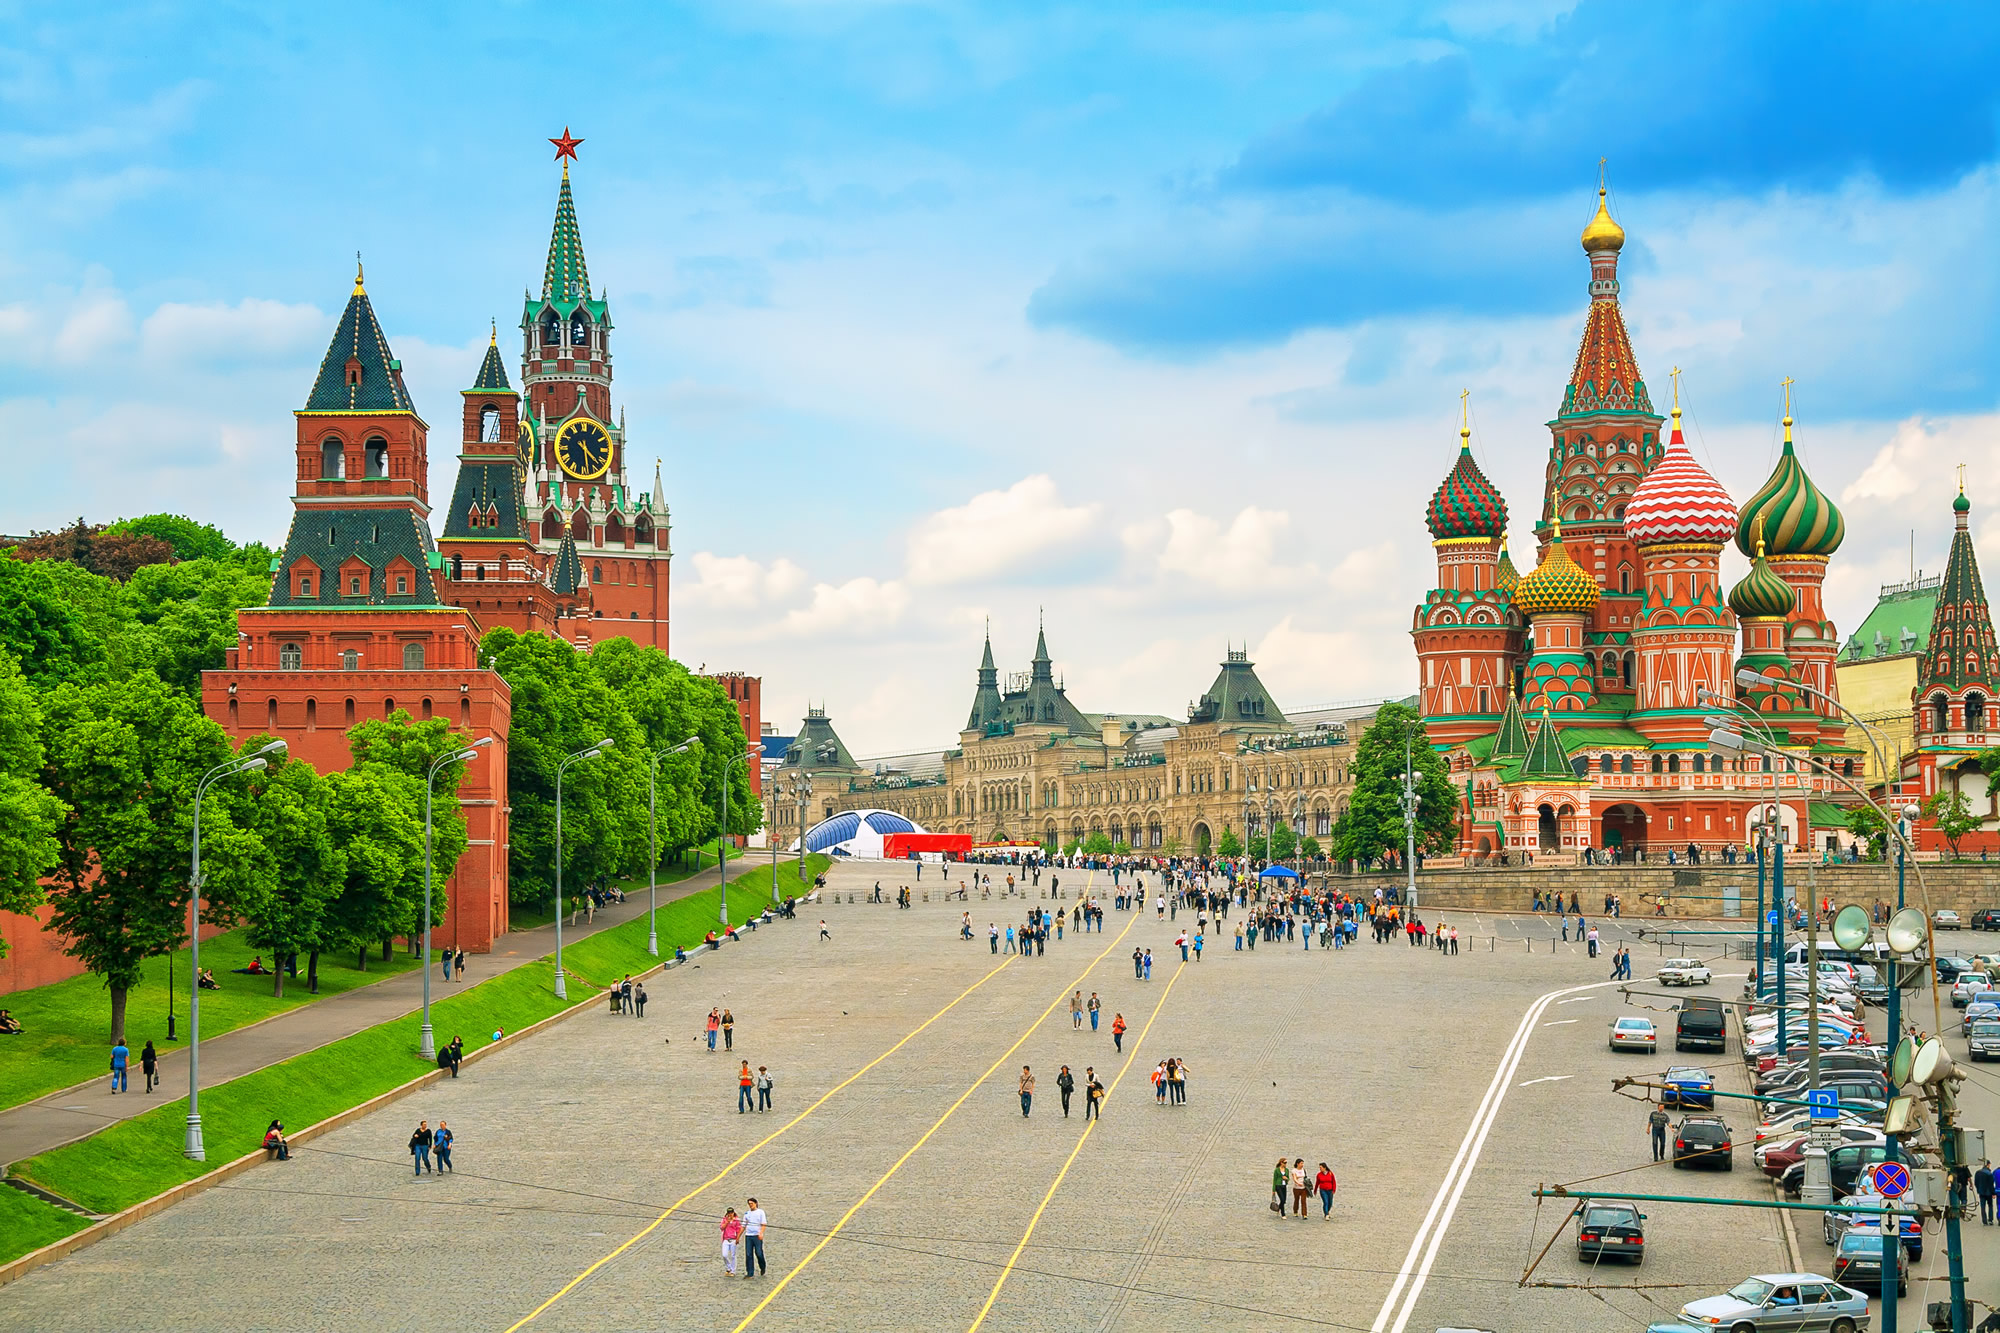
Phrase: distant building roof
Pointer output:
(1900, 622)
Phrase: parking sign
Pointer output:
(1825, 1103)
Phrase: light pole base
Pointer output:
(427, 1044)
(653, 943)
(562, 990)
(192, 1149)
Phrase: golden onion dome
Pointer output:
(1506, 578)
(1603, 233)
(1558, 586)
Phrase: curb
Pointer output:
(146, 1208)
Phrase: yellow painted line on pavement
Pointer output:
(716, 1179)
(1005, 1056)
(1082, 1138)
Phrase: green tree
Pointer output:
(1373, 822)
(670, 704)
(29, 815)
(126, 759)
(287, 810)
(1097, 844)
(190, 540)
(1283, 841)
(1311, 849)
(374, 814)
(1173, 845)
(39, 627)
(1952, 813)
(183, 617)
(1867, 827)
(1229, 845)
(1121, 848)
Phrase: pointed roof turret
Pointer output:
(818, 745)
(1679, 502)
(566, 574)
(1466, 504)
(1511, 741)
(1505, 577)
(1237, 698)
(1546, 761)
(492, 372)
(1762, 595)
(1606, 375)
(1043, 667)
(566, 277)
(1558, 586)
(987, 705)
(359, 373)
(1961, 644)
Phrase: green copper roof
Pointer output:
(331, 537)
(565, 278)
(1603, 738)
(492, 374)
(1511, 741)
(1546, 760)
(1237, 698)
(986, 702)
(1761, 594)
(1961, 650)
(358, 341)
(566, 575)
(818, 745)
(1899, 623)
(486, 503)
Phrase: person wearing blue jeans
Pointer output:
(420, 1148)
(1095, 1005)
(441, 1146)
(753, 1241)
(121, 1055)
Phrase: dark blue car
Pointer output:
(1687, 1086)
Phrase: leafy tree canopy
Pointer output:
(29, 814)
(1229, 845)
(1373, 822)
(188, 539)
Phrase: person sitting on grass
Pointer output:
(256, 968)
(208, 981)
(10, 1026)
(275, 1148)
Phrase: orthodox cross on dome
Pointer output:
(566, 146)
(1465, 418)
(1961, 478)
(358, 290)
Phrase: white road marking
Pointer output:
(1409, 1284)
(1558, 1022)
(1578, 1000)
(1551, 1078)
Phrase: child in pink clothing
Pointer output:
(732, 1227)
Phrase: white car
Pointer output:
(1782, 1301)
(1684, 972)
(1946, 919)
(1632, 1033)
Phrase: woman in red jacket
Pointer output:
(1323, 1182)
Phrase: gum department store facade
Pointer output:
(1032, 767)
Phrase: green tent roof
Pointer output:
(359, 339)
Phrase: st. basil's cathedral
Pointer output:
(1570, 703)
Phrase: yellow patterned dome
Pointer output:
(1603, 233)
(1558, 586)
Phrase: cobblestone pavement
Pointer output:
(900, 1192)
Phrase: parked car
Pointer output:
(1684, 972)
(1857, 1261)
(1983, 1041)
(1986, 919)
(1946, 919)
(1634, 1034)
(1611, 1231)
(1835, 1225)
(1968, 985)
(1687, 1086)
(1781, 1302)
(1949, 966)
(1777, 1156)
(1703, 1140)
(1847, 1165)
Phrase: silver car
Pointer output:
(1632, 1033)
(1983, 1042)
(1786, 1301)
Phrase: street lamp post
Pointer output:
(191, 1146)
(653, 843)
(722, 827)
(588, 752)
(427, 1040)
(1410, 824)
(802, 787)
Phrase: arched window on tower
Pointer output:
(597, 573)
(1624, 763)
(1631, 662)
(579, 527)
(377, 460)
(332, 461)
(642, 530)
(1975, 712)
(1700, 763)
(1604, 764)
(1941, 711)
(457, 567)
(1673, 763)
(489, 424)
(579, 330)
(551, 328)
(552, 528)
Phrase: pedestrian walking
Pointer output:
(441, 1146)
(1065, 1083)
(1138, 966)
(728, 1031)
(732, 1228)
(763, 1088)
(744, 1080)
(1076, 1012)
(639, 998)
(1160, 1083)
(1093, 1095)
(1177, 1081)
(420, 1148)
(121, 1055)
(149, 1065)
(447, 964)
(1149, 965)
(458, 964)
(1010, 937)
(714, 1025)
(1281, 1177)
(1094, 1005)
(1197, 946)
(1658, 1121)
(1982, 1185)
(1299, 1182)
(753, 1241)
(1118, 1032)
(1027, 1090)
(1324, 1183)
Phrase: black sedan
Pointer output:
(1703, 1140)
(1611, 1231)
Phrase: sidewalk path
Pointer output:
(74, 1112)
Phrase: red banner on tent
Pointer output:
(901, 846)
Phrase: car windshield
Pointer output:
(1751, 1291)
(1608, 1217)
(1688, 1076)
(1635, 1023)
(1857, 1242)
(1986, 1029)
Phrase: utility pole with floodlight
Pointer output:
(427, 1039)
(653, 842)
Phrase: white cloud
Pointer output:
(860, 605)
(998, 532)
(94, 329)
(1245, 556)
(252, 329)
(739, 581)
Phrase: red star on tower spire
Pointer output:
(566, 146)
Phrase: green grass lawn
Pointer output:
(68, 1037)
(26, 1223)
(141, 1157)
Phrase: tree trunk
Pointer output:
(361, 957)
(118, 994)
(278, 977)
(388, 946)
(312, 972)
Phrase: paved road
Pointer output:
(71, 1113)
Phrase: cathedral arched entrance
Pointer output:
(1548, 836)
(1201, 838)
(1624, 828)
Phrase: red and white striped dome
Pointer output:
(1679, 501)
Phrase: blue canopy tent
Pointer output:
(1278, 872)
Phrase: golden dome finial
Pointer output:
(1602, 233)
(1464, 419)
(358, 289)
(1787, 387)
(1675, 376)
(1757, 535)
(494, 339)
(1555, 527)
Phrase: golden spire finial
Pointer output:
(1787, 387)
(1464, 419)
(1603, 233)
(493, 340)
(1757, 534)
(1675, 376)
(358, 289)
(1961, 478)
(1556, 528)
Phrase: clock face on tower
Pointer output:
(584, 449)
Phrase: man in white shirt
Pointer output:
(753, 1241)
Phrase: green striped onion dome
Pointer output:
(1506, 578)
(1466, 504)
(1558, 586)
(1762, 594)
(1798, 519)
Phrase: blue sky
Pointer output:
(1156, 317)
